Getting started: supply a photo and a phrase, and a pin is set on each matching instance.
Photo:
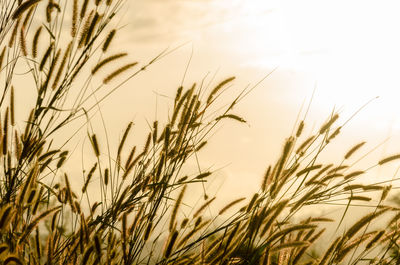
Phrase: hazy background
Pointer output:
(347, 50)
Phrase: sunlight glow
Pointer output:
(349, 47)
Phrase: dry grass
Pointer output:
(139, 219)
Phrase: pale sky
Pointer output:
(349, 51)
(346, 46)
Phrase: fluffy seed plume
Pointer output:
(282, 161)
(229, 205)
(328, 124)
(362, 222)
(231, 116)
(118, 72)
(45, 57)
(375, 239)
(203, 175)
(204, 206)
(300, 129)
(91, 28)
(36, 221)
(334, 134)
(6, 214)
(22, 41)
(106, 176)
(389, 159)
(108, 40)
(14, 34)
(359, 198)
(266, 180)
(24, 7)
(251, 203)
(305, 145)
(88, 178)
(121, 144)
(62, 65)
(148, 231)
(74, 18)
(303, 199)
(385, 192)
(287, 231)
(28, 17)
(36, 41)
(2, 57)
(329, 251)
(107, 60)
(84, 8)
(170, 244)
(176, 207)
(85, 29)
(293, 244)
(308, 169)
(353, 150)
(354, 174)
(87, 254)
(218, 87)
(95, 145)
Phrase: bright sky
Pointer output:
(349, 50)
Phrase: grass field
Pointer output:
(132, 205)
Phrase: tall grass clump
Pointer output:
(139, 216)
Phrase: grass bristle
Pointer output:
(95, 145)
(22, 41)
(353, 150)
(24, 7)
(289, 245)
(362, 222)
(107, 60)
(114, 74)
(218, 88)
(36, 41)
(45, 57)
(203, 207)
(176, 207)
(171, 243)
(74, 18)
(108, 40)
(327, 125)
(389, 159)
(231, 116)
(88, 178)
(84, 8)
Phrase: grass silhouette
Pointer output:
(139, 219)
